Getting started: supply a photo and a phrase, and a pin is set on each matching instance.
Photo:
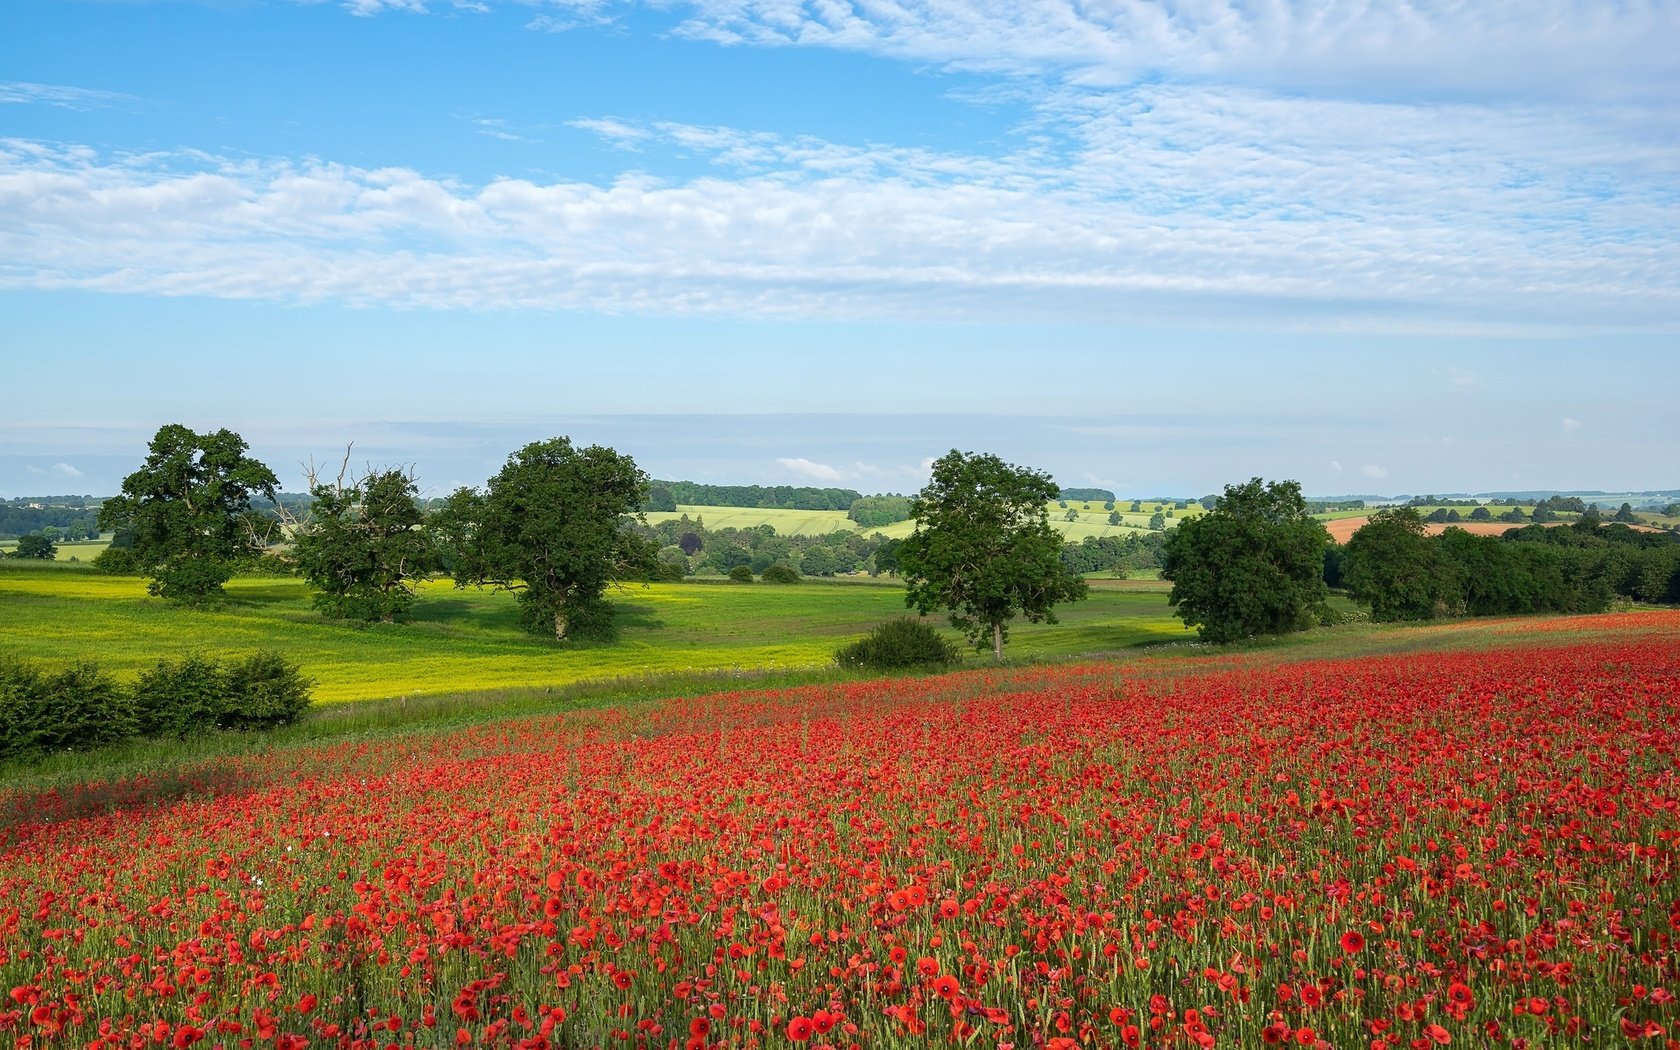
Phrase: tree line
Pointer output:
(1402, 573)
(765, 497)
(559, 524)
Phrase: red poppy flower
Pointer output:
(800, 1028)
(947, 987)
(1353, 941)
(927, 966)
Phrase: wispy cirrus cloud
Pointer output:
(1152, 206)
(63, 96)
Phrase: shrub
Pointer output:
(77, 708)
(176, 699)
(23, 705)
(780, 573)
(264, 690)
(900, 644)
(89, 709)
(741, 574)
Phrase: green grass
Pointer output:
(470, 640)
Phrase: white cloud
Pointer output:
(64, 97)
(1169, 207)
(1558, 48)
(1336, 466)
(1571, 424)
(65, 470)
(1371, 470)
(809, 469)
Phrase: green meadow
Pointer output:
(1091, 520)
(470, 640)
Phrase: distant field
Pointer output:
(785, 522)
(1092, 520)
(80, 550)
(465, 640)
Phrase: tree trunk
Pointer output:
(560, 626)
(997, 642)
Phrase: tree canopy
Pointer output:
(1254, 564)
(35, 545)
(552, 526)
(1391, 565)
(983, 548)
(362, 546)
(188, 510)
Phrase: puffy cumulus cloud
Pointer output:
(65, 470)
(807, 469)
(1154, 203)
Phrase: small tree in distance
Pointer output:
(984, 550)
(35, 545)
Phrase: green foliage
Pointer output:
(1114, 517)
(78, 708)
(792, 497)
(551, 527)
(1086, 495)
(901, 644)
(984, 550)
(1157, 522)
(263, 690)
(189, 511)
(1391, 565)
(659, 498)
(180, 697)
(81, 707)
(363, 546)
(876, 511)
(35, 545)
(781, 572)
(741, 574)
(1252, 565)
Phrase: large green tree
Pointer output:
(984, 550)
(362, 545)
(553, 526)
(1391, 565)
(188, 509)
(1254, 564)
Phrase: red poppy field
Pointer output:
(1474, 847)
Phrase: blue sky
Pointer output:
(1158, 245)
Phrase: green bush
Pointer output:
(177, 699)
(23, 707)
(781, 573)
(741, 574)
(78, 708)
(900, 644)
(263, 690)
